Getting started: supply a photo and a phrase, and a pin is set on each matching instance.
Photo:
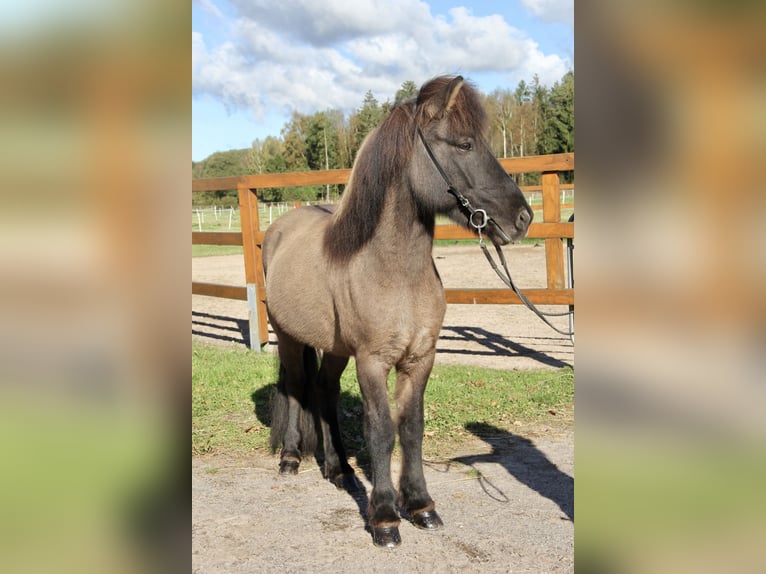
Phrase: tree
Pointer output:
(366, 119)
(521, 102)
(500, 109)
(256, 157)
(539, 97)
(344, 141)
(267, 157)
(274, 150)
(221, 164)
(224, 163)
(557, 134)
(293, 136)
(409, 89)
(322, 142)
(530, 119)
(558, 118)
(296, 157)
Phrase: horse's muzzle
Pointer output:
(518, 228)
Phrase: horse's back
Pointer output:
(302, 225)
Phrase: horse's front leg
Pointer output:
(411, 379)
(336, 467)
(379, 435)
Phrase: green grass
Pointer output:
(231, 389)
(210, 223)
(208, 250)
(458, 395)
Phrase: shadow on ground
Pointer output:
(219, 328)
(519, 456)
(231, 330)
(493, 344)
(350, 411)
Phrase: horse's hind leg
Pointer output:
(414, 499)
(292, 413)
(336, 467)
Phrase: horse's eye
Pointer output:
(465, 146)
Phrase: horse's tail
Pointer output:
(308, 419)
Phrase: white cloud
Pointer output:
(552, 10)
(330, 21)
(549, 68)
(478, 43)
(210, 7)
(306, 55)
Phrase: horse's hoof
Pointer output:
(427, 520)
(386, 536)
(288, 467)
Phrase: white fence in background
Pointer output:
(216, 218)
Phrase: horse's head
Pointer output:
(451, 152)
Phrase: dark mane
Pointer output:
(385, 156)
(380, 162)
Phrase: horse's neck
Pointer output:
(405, 234)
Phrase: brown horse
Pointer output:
(360, 281)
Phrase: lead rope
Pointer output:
(478, 226)
(509, 282)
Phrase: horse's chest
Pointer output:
(399, 319)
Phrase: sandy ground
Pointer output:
(507, 506)
(506, 500)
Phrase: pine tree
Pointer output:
(367, 119)
(409, 89)
(558, 118)
(293, 136)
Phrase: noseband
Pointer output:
(478, 219)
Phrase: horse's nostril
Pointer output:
(523, 219)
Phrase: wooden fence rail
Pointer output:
(552, 230)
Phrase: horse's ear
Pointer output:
(452, 91)
(441, 103)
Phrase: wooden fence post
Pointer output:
(248, 211)
(554, 248)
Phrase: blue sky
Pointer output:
(254, 62)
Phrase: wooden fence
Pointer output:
(552, 230)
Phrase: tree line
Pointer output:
(528, 120)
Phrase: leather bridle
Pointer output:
(478, 219)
